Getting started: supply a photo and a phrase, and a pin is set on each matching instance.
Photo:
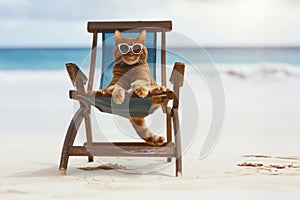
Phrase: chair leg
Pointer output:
(177, 142)
(69, 140)
(169, 129)
(88, 128)
(90, 158)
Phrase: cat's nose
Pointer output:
(130, 53)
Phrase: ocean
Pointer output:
(34, 84)
(55, 58)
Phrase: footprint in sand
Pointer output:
(269, 165)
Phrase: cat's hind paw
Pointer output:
(155, 140)
(158, 90)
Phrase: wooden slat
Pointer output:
(75, 74)
(69, 139)
(163, 58)
(121, 144)
(93, 62)
(176, 79)
(78, 151)
(177, 133)
(178, 74)
(88, 128)
(169, 124)
(169, 128)
(123, 149)
(111, 26)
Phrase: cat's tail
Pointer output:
(142, 130)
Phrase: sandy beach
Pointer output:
(257, 156)
(239, 107)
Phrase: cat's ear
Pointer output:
(142, 37)
(118, 37)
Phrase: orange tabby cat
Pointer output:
(131, 72)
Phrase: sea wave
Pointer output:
(32, 75)
(235, 70)
(38, 100)
(246, 70)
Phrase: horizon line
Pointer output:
(208, 46)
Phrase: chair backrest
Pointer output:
(108, 44)
(128, 29)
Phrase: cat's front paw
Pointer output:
(158, 90)
(118, 95)
(141, 91)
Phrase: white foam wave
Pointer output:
(247, 70)
(19, 75)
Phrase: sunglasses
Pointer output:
(124, 48)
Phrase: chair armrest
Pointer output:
(177, 75)
(177, 78)
(77, 77)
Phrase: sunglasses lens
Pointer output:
(124, 48)
(137, 48)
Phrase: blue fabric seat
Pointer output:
(130, 106)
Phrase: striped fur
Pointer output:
(131, 71)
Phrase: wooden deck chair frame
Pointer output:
(172, 147)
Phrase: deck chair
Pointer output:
(137, 106)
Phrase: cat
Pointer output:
(131, 72)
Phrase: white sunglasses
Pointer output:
(136, 48)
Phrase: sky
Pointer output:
(62, 23)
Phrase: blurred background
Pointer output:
(62, 23)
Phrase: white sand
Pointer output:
(262, 118)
